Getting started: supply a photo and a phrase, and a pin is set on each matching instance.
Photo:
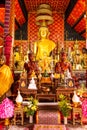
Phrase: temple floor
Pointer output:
(34, 126)
(48, 120)
(45, 127)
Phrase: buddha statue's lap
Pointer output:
(44, 48)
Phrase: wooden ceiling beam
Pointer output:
(82, 32)
(16, 22)
(78, 20)
(70, 8)
(2, 1)
(2, 24)
(23, 8)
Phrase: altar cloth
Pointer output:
(49, 127)
(48, 117)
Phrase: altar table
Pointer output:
(66, 91)
(49, 97)
(28, 92)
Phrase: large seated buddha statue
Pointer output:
(43, 48)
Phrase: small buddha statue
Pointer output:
(33, 75)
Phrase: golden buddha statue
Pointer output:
(33, 75)
(43, 48)
(77, 57)
(18, 59)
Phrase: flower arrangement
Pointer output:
(64, 105)
(6, 108)
(84, 108)
(31, 107)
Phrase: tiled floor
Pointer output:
(68, 126)
(76, 127)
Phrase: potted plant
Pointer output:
(31, 108)
(64, 106)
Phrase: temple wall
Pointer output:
(67, 44)
(56, 33)
(56, 29)
(70, 44)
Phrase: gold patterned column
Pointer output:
(28, 33)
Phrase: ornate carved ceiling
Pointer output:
(58, 5)
(74, 11)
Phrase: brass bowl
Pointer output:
(46, 89)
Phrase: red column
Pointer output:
(9, 31)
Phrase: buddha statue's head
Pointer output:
(43, 32)
(76, 45)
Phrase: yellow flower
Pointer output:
(32, 106)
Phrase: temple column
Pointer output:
(86, 40)
(86, 22)
(9, 32)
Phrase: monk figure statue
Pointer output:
(6, 77)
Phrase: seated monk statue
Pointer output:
(31, 66)
(6, 77)
(63, 65)
(43, 48)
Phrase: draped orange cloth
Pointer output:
(6, 79)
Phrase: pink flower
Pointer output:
(6, 108)
(84, 108)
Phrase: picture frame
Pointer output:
(23, 80)
(70, 82)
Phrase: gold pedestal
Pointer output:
(19, 104)
(76, 104)
(7, 122)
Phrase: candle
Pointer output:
(86, 43)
